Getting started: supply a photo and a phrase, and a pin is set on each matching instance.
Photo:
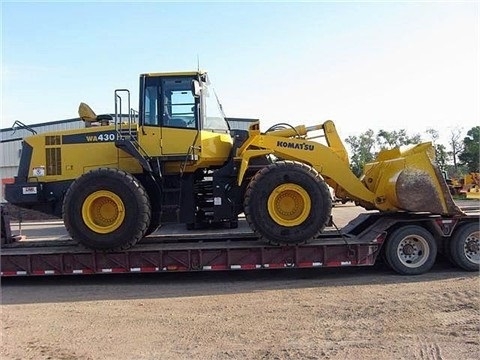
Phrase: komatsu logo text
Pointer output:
(292, 145)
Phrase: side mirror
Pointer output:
(196, 88)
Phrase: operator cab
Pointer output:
(180, 100)
(180, 116)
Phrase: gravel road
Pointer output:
(347, 313)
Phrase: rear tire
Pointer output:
(106, 209)
(465, 247)
(287, 203)
(411, 250)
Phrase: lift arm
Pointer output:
(399, 180)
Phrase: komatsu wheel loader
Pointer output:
(116, 180)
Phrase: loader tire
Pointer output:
(155, 195)
(411, 250)
(106, 209)
(287, 203)
(154, 223)
(465, 247)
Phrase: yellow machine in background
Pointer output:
(468, 186)
(119, 178)
(471, 186)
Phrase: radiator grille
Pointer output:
(52, 140)
(54, 161)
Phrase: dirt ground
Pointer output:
(347, 313)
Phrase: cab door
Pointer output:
(149, 134)
(179, 129)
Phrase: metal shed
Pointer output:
(11, 141)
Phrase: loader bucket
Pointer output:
(408, 180)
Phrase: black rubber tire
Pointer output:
(416, 239)
(465, 247)
(263, 184)
(154, 223)
(135, 201)
(154, 194)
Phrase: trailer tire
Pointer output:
(465, 247)
(411, 250)
(106, 209)
(287, 203)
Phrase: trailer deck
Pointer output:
(174, 249)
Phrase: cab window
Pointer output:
(150, 105)
(178, 103)
(213, 114)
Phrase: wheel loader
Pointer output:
(119, 178)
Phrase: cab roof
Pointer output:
(175, 73)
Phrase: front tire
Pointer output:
(106, 209)
(288, 203)
(411, 250)
(465, 247)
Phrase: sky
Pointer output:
(364, 65)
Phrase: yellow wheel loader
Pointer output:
(116, 180)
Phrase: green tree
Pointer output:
(391, 139)
(456, 147)
(434, 135)
(362, 149)
(441, 154)
(471, 150)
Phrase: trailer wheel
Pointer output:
(106, 209)
(411, 250)
(287, 203)
(465, 247)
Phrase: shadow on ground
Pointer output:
(175, 285)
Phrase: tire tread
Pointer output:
(128, 180)
(265, 172)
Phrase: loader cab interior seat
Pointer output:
(89, 117)
(105, 119)
(176, 123)
(168, 119)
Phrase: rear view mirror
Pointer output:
(196, 88)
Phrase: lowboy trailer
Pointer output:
(407, 242)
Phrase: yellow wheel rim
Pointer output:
(103, 211)
(289, 205)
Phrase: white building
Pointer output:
(11, 141)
